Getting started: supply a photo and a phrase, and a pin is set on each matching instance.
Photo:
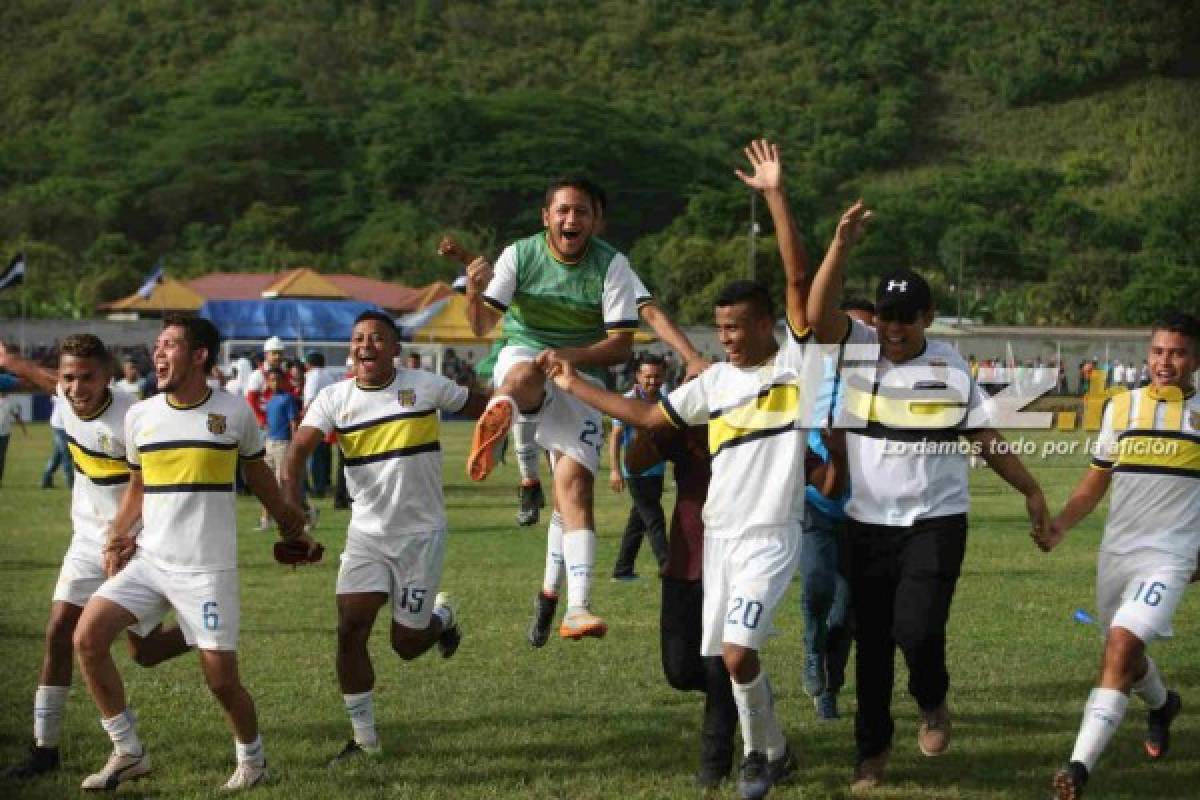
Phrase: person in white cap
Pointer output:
(257, 393)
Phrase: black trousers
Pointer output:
(902, 581)
(687, 670)
(645, 519)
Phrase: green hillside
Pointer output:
(1044, 151)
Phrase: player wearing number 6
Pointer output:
(183, 447)
(386, 420)
(1148, 450)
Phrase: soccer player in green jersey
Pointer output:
(563, 294)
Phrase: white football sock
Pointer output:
(579, 555)
(526, 448)
(361, 708)
(1101, 717)
(122, 730)
(252, 752)
(49, 703)
(1151, 688)
(756, 715)
(552, 580)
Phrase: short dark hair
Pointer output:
(315, 359)
(858, 304)
(378, 316)
(586, 185)
(198, 332)
(85, 345)
(652, 360)
(752, 293)
(1179, 322)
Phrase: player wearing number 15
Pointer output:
(183, 447)
(1149, 451)
(386, 422)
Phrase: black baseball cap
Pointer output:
(902, 294)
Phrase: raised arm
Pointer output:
(768, 179)
(480, 316)
(829, 322)
(37, 376)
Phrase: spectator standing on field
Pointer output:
(9, 413)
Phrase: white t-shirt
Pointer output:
(389, 436)
(1150, 441)
(903, 426)
(188, 457)
(317, 378)
(755, 436)
(97, 445)
(131, 388)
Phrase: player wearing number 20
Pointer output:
(386, 422)
(1149, 451)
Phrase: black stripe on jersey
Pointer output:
(168, 488)
(877, 430)
(90, 452)
(254, 456)
(496, 304)
(390, 418)
(428, 447)
(761, 433)
(132, 465)
(1100, 463)
(643, 300)
(1144, 469)
(111, 480)
(621, 325)
(671, 413)
(184, 444)
(1152, 433)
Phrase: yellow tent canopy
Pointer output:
(170, 295)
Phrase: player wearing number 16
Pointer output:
(386, 420)
(183, 447)
(1148, 450)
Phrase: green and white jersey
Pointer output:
(548, 303)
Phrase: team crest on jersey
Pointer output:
(105, 442)
(216, 423)
(407, 397)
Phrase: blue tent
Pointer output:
(287, 318)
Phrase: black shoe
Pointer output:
(532, 502)
(1069, 781)
(543, 617)
(353, 752)
(754, 779)
(1158, 726)
(39, 761)
(783, 769)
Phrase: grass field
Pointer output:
(583, 720)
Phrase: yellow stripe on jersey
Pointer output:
(390, 437)
(1159, 452)
(188, 466)
(911, 410)
(100, 468)
(773, 410)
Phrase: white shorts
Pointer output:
(565, 425)
(1140, 591)
(81, 575)
(410, 571)
(207, 604)
(745, 578)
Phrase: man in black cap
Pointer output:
(912, 415)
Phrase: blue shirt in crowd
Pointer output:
(282, 408)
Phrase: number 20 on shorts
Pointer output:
(745, 613)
